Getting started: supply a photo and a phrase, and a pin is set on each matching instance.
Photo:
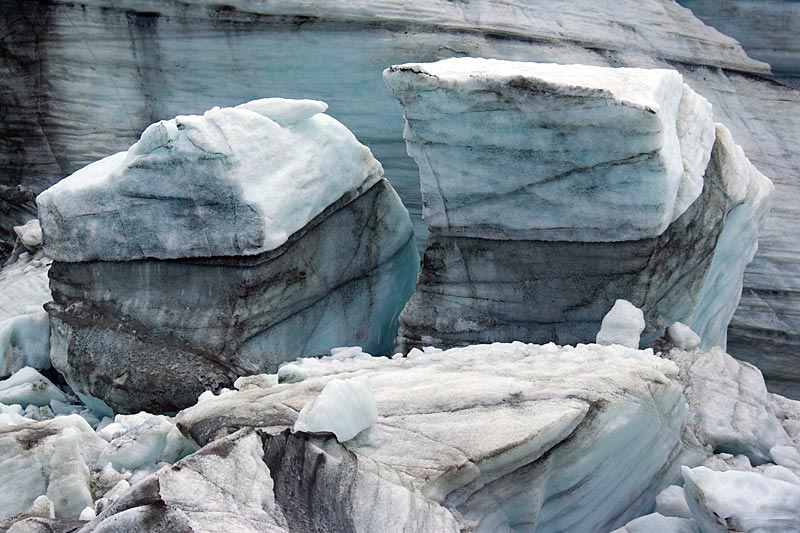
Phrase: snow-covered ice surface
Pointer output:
(234, 181)
(304, 245)
(526, 172)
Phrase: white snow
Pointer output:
(344, 407)
(233, 181)
(622, 325)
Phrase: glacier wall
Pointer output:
(81, 82)
(551, 191)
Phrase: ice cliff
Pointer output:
(550, 191)
(222, 245)
(81, 81)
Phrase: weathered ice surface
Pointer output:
(552, 191)
(232, 182)
(57, 460)
(81, 82)
(502, 436)
(165, 287)
(767, 30)
(225, 486)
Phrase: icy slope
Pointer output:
(180, 268)
(551, 191)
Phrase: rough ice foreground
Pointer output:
(572, 185)
(222, 245)
(53, 452)
(491, 438)
(502, 437)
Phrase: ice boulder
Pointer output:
(344, 408)
(218, 246)
(622, 325)
(551, 191)
(730, 408)
(29, 387)
(495, 437)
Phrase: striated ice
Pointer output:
(344, 408)
(240, 183)
(622, 325)
(737, 244)
(625, 121)
(551, 191)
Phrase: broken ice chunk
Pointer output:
(622, 325)
(344, 408)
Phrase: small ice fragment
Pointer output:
(622, 325)
(344, 408)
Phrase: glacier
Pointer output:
(551, 191)
(219, 246)
(81, 83)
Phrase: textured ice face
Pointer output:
(552, 152)
(234, 181)
(554, 190)
(481, 430)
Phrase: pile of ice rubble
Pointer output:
(501, 437)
